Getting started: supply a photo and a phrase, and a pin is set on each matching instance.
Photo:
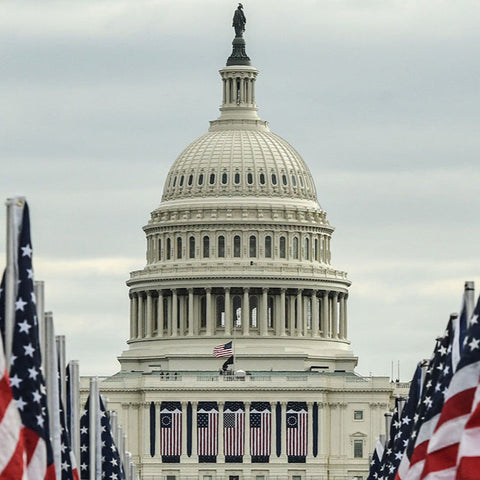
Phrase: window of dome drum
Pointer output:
(190, 180)
(253, 246)
(200, 179)
(268, 246)
(236, 178)
(283, 249)
(182, 178)
(191, 247)
(212, 178)
(236, 246)
(224, 178)
(262, 179)
(284, 179)
(274, 179)
(249, 178)
(206, 247)
(221, 246)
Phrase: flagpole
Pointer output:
(14, 217)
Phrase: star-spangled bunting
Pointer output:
(28, 385)
(111, 463)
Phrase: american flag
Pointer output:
(207, 428)
(12, 459)
(297, 429)
(171, 428)
(111, 463)
(225, 350)
(233, 428)
(260, 429)
(455, 439)
(437, 380)
(26, 377)
(376, 462)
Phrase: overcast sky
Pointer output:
(380, 97)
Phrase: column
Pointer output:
(209, 330)
(184, 432)
(299, 319)
(182, 315)
(228, 312)
(194, 432)
(310, 430)
(314, 314)
(282, 312)
(140, 332)
(264, 314)
(160, 314)
(133, 316)
(174, 317)
(325, 314)
(292, 315)
(190, 312)
(246, 312)
(149, 314)
(247, 458)
(335, 315)
(221, 450)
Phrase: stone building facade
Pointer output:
(239, 250)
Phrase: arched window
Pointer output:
(212, 178)
(200, 179)
(206, 246)
(253, 311)
(237, 247)
(191, 247)
(169, 249)
(159, 252)
(203, 312)
(253, 246)
(237, 311)
(306, 253)
(268, 246)
(179, 247)
(262, 179)
(236, 178)
(249, 178)
(274, 179)
(220, 311)
(224, 178)
(270, 312)
(295, 248)
(221, 246)
(283, 247)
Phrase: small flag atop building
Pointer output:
(225, 350)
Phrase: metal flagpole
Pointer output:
(14, 221)
(75, 408)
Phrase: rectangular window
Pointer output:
(358, 449)
(358, 415)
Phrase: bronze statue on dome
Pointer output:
(239, 21)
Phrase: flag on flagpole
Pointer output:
(225, 350)
(26, 377)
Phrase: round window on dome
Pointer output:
(249, 178)
(262, 179)
(212, 178)
(224, 178)
(200, 179)
(237, 178)
(284, 179)
(182, 179)
(274, 179)
(190, 180)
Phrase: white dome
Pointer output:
(237, 162)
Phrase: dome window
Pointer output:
(283, 249)
(206, 246)
(190, 180)
(221, 246)
(191, 247)
(253, 246)
(249, 178)
(224, 178)
(294, 181)
(236, 246)
(274, 179)
(174, 182)
(268, 246)
(284, 179)
(212, 178)
(262, 179)
(182, 179)
(237, 178)
(200, 179)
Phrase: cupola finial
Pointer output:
(239, 55)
